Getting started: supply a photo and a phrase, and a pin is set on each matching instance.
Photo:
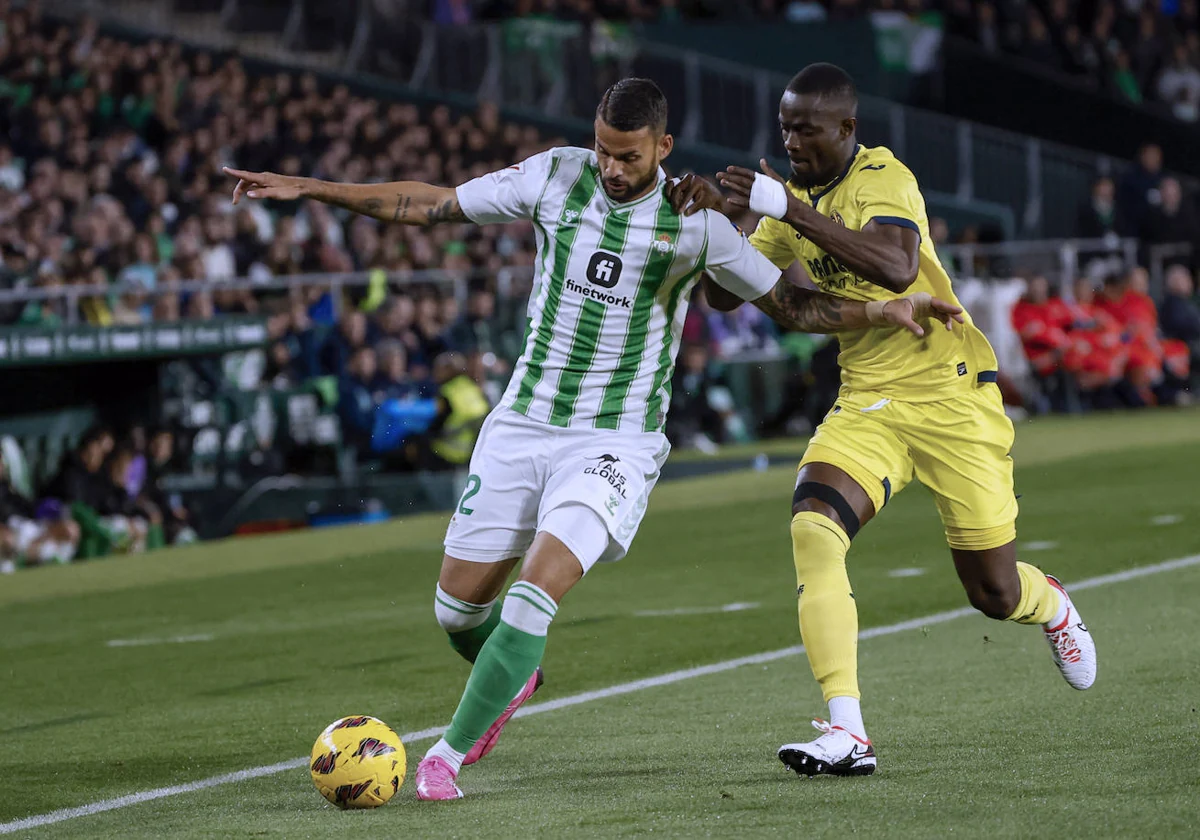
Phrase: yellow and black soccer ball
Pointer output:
(358, 762)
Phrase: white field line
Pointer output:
(103, 805)
(172, 640)
(737, 606)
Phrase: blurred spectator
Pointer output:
(392, 382)
(1179, 85)
(1100, 217)
(1179, 314)
(27, 537)
(351, 335)
(1042, 322)
(475, 330)
(1174, 219)
(702, 412)
(176, 519)
(1139, 188)
(356, 399)
(461, 408)
(1156, 367)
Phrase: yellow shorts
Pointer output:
(958, 448)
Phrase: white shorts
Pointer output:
(522, 469)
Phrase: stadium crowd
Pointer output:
(1138, 50)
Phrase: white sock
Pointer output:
(847, 713)
(447, 754)
(1060, 615)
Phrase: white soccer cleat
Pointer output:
(1071, 644)
(835, 753)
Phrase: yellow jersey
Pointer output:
(890, 361)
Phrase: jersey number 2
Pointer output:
(473, 485)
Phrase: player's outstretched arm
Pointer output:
(406, 202)
(886, 255)
(806, 310)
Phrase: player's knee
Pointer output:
(455, 615)
(814, 497)
(818, 542)
(993, 599)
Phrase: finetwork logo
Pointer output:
(604, 270)
(598, 295)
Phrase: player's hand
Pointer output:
(739, 180)
(909, 311)
(691, 194)
(260, 185)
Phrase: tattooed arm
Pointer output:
(406, 202)
(806, 310)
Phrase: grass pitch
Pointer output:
(131, 674)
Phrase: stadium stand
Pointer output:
(114, 214)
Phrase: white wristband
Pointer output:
(768, 197)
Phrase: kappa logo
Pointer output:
(875, 167)
(604, 270)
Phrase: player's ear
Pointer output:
(849, 125)
(665, 144)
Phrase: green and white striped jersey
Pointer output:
(610, 288)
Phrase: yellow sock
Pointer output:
(1039, 600)
(828, 615)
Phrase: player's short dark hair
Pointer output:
(825, 80)
(631, 104)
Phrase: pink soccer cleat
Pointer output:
(435, 780)
(485, 744)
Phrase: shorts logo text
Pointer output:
(606, 468)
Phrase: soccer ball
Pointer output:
(358, 762)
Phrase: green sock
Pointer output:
(468, 643)
(505, 663)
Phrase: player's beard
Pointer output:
(635, 190)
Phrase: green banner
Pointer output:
(24, 346)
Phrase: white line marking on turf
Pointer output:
(1038, 545)
(900, 573)
(103, 805)
(173, 640)
(737, 606)
(1167, 519)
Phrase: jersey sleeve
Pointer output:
(507, 194)
(734, 263)
(773, 239)
(890, 196)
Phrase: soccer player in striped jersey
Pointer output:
(564, 465)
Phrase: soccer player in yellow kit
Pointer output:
(924, 407)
